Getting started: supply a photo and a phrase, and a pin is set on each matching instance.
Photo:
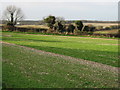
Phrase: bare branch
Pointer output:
(13, 14)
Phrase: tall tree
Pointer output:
(79, 25)
(59, 27)
(13, 14)
(60, 24)
(50, 20)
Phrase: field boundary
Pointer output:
(81, 61)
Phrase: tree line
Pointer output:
(14, 14)
(57, 24)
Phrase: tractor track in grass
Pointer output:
(81, 61)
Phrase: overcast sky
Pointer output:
(105, 10)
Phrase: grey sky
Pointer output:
(106, 11)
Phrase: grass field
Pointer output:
(114, 31)
(102, 24)
(25, 68)
(34, 26)
(99, 50)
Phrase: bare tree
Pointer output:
(13, 14)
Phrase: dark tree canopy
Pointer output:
(59, 26)
(13, 14)
(50, 20)
(79, 25)
(71, 28)
(86, 28)
(89, 28)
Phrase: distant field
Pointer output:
(46, 27)
(99, 50)
(34, 26)
(114, 31)
(95, 24)
(102, 24)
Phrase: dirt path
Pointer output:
(81, 61)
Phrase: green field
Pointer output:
(99, 50)
(24, 68)
(114, 31)
(28, 68)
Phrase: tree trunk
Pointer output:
(12, 18)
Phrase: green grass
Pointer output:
(23, 68)
(99, 50)
(56, 34)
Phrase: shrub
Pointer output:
(89, 29)
(114, 27)
(107, 28)
(86, 28)
(99, 27)
(9, 26)
(71, 28)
